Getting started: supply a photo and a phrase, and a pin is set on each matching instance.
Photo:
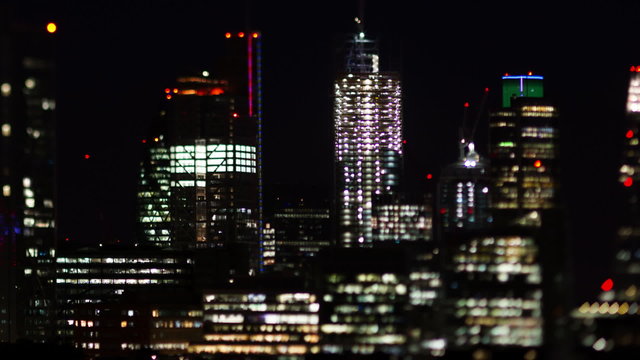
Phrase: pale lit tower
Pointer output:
(368, 139)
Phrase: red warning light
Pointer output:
(235, 115)
(470, 211)
(537, 163)
(607, 285)
(629, 134)
(87, 156)
(429, 176)
(443, 211)
(227, 35)
(168, 97)
(240, 34)
(144, 141)
(628, 182)
(466, 104)
(404, 141)
(635, 69)
(506, 74)
(486, 89)
(66, 239)
(167, 90)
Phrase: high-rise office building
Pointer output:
(27, 157)
(200, 184)
(368, 140)
(523, 147)
(397, 218)
(463, 193)
(610, 324)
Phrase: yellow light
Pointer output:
(255, 35)
(51, 28)
(123, 324)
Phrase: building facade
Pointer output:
(368, 140)
(28, 160)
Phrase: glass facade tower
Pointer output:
(368, 140)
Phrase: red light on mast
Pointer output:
(629, 134)
(443, 211)
(537, 163)
(466, 104)
(628, 182)
(486, 89)
(607, 285)
(144, 141)
(87, 156)
(429, 176)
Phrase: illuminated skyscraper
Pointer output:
(463, 193)
(368, 140)
(523, 147)
(200, 184)
(27, 157)
(611, 324)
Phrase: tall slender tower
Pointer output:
(368, 139)
(27, 159)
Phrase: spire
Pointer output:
(363, 53)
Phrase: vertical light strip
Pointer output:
(250, 71)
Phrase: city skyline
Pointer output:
(438, 78)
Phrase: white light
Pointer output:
(361, 35)
(6, 130)
(5, 89)
(30, 83)
(26, 182)
(205, 73)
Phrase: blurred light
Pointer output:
(235, 115)
(51, 28)
(629, 134)
(628, 182)
(155, 139)
(486, 89)
(466, 104)
(167, 90)
(607, 285)
(443, 211)
(240, 34)
(227, 35)
(633, 69)
(168, 97)
(537, 163)
(87, 156)
(429, 176)
(144, 141)
(255, 35)
(404, 141)
(506, 74)
(175, 91)
(205, 73)
(529, 73)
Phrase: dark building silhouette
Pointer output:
(28, 162)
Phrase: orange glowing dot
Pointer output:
(175, 91)
(537, 163)
(240, 34)
(255, 35)
(168, 97)
(629, 134)
(167, 90)
(530, 73)
(506, 74)
(51, 28)
(227, 35)
(607, 285)
(156, 139)
(628, 182)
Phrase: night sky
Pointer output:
(116, 57)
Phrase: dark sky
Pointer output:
(116, 57)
